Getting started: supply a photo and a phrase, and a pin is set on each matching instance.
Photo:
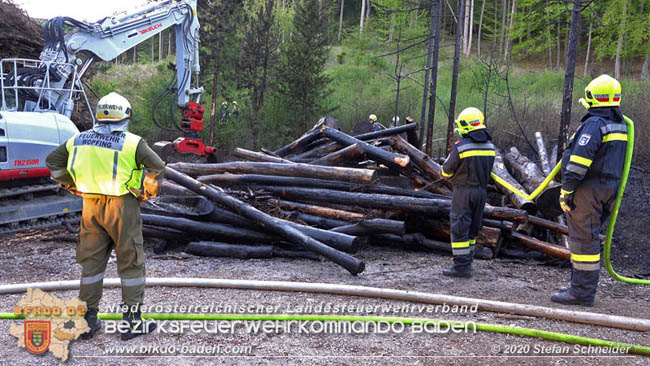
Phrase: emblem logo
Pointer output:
(37, 335)
(584, 139)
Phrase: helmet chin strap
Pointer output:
(585, 103)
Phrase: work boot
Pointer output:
(137, 326)
(454, 272)
(566, 298)
(93, 323)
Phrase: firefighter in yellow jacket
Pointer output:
(105, 166)
(468, 168)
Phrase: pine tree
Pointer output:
(306, 52)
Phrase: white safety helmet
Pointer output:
(372, 118)
(113, 114)
(395, 120)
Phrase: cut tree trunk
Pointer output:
(207, 228)
(501, 171)
(440, 229)
(331, 147)
(437, 207)
(541, 246)
(376, 153)
(292, 170)
(422, 160)
(303, 141)
(372, 226)
(340, 157)
(543, 154)
(216, 249)
(327, 212)
(526, 172)
(258, 156)
(270, 223)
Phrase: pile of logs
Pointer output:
(328, 193)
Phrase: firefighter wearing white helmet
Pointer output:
(105, 166)
(468, 168)
(592, 166)
(113, 114)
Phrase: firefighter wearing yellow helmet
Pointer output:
(105, 166)
(468, 168)
(592, 166)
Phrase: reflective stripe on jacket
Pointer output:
(104, 164)
(470, 162)
(596, 150)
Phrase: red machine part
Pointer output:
(192, 122)
(192, 117)
(191, 145)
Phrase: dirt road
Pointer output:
(26, 257)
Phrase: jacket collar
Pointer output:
(611, 113)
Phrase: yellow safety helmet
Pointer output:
(603, 91)
(470, 119)
(113, 108)
(372, 117)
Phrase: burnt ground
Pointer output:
(49, 255)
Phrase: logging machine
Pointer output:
(38, 97)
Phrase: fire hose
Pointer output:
(617, 204)
(613, 321)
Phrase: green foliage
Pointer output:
(305, 84)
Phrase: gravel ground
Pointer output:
(45, 255)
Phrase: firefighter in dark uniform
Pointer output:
(592, 166)
(468, 168)
(105, 166)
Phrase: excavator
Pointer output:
(38, 97)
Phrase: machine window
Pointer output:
(3, 154)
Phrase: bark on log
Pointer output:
(303, 141)
(436, 207)
(333, 146)
(499, 168)
(207, 228)
(432, 169)
(258, 157)
(540, 246)
(419, 240)
(340, 241)
(263, 180)
(314, 220)
(440, 229)
(216, 249)
(327, 212)
(376, 153)
(169, 188)
(372, 226)
(543, 154)
(527, 173)
(353, 265)
(163, 233)
(548, 224)
(346, 154)
(361, 176)
(553, 158)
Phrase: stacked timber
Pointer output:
(327, 194)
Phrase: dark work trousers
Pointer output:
(465, 219)
(594, 201)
